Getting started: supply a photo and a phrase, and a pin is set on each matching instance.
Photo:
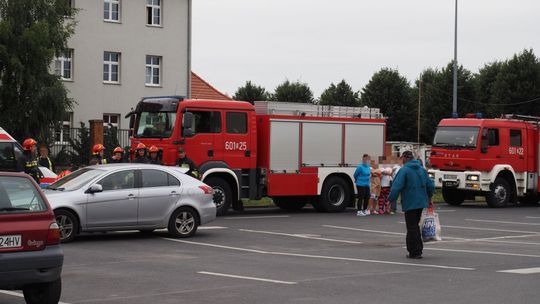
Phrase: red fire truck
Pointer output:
(498, 158)
(295, 153)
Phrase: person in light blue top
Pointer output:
(362, 176)
(416, 189)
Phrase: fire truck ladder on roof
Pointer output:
(306, 109)
(522, 117)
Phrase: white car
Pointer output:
(130, 197)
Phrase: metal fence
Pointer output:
(65, 138)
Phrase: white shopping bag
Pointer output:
(430, 226)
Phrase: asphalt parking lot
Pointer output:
(270, 256)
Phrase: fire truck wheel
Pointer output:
(500, 194)
(289, 203)
(335, 195)
(222, 194)
(453, 197)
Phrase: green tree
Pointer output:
(437, 88)
(484, 82)
(250, 92)
(392, 94)
(293, 92)
(110, 139)
(341, 94)
(516, 88)
(32, 33)
(82, 145)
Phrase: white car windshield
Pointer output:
(75, 180)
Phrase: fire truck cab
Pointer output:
(294, 153)
(497, 158)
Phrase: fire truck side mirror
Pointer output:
(187, 124)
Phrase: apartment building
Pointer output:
(121, 51)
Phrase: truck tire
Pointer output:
(336, 194)
(222, 194)
(453, 197)
(43, 293)
(500, 193)
(290, 203)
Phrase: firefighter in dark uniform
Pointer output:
(27, 162)
(185, 162)
(44, 160)
(97, 155)
(154, 156)
(140, 154)
(117, 156)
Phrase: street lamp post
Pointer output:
(454, 96)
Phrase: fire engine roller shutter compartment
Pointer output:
(321, 144)
(363, 138)
(284, 146)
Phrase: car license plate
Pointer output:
(449, 176)
(10, 241)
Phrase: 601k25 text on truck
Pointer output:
(295, 153)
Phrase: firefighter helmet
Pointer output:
(29, 143)
(98, 148)
(118, 150)
(140, 146)
(153, 149)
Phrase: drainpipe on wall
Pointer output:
(189, 50)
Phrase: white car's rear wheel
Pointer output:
(183, 222)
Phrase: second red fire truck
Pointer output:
(295, 153)
(495, 158)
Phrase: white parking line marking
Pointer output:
(522, 270)
(319, 256)
(503, 222)
(246, 278)
(255, 217)
(302, 236)
(533, 217)
(211, 227)
(381, 232)
(483, 252)
(364, 230)
(19, 295)
(444, 210)
(485, 229)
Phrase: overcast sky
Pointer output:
(323, 41)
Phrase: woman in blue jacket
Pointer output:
(416, 189)
(362, 176)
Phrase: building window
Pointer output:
(111, 120)
(69, 8)
(153, 69)
(63, 131)
(63, 65)
(111, 10)
(111, 67)
(153, 12)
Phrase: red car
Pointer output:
(30, 255)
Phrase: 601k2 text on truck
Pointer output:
(297, 154)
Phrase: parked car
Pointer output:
(30, 255)
(141, 197)
(11, 151)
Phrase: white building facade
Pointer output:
(123, 50)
